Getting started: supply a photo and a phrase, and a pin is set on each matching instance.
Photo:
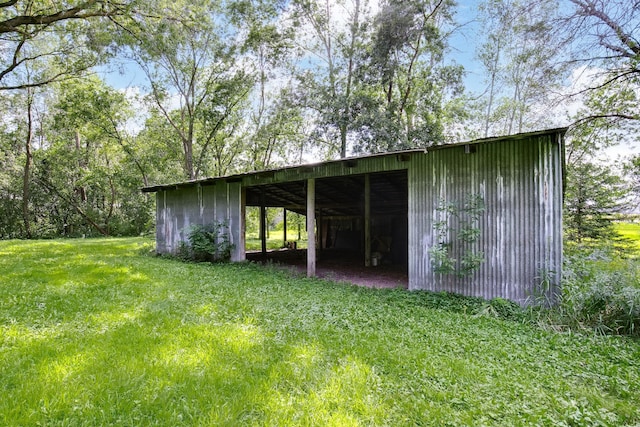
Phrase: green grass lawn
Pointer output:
(630, 233)
(97, 332)
(275, 240)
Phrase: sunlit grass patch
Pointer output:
(275, 240)
(629, 237)
(97, 332)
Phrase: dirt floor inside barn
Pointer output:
(338, 266)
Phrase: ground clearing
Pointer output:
(96, 332)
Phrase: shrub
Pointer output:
(209, 242)
(601, 293)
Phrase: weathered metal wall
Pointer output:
(520, 181)
(179, 208)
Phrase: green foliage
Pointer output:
(92, 332)
(383, 84)
(189, 56)
(208, 242)
(456, 232)
(508, 310)
(520, 53)
(601, 292)
(46, 42)
(594, 194)
(90, 173)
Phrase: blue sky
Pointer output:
(463, 44)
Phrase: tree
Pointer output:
(277, 134)
(271, 125)
(407, 60)
(605, 43)
(87, 169)
(195, 82)
(378, 87)
(12, 143)
(26, 176)
(155, 148)
(521, 55)
(594, 193)
(66, 33)
(338, 33)
(632, 172)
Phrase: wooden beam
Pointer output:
(311, 230)
(367, 220)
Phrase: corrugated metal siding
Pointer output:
(235, 216)
(178, 209)
(521, 184)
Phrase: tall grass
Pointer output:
(97, 332)
(601, 285)
(600, 292)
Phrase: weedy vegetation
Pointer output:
(99, 332)
(600, 285)
(208, 242)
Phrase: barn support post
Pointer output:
(284, 227)
(311, 230)
(241, 250)
(320, 233)
(263, 226)
(367, 221)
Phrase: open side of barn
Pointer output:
(482, 218)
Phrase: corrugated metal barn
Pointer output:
(482, 218)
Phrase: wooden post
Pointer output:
(263, 225)
(311, 230)
(367, 221)
(320, 233)
(242, 242)
(284, 226)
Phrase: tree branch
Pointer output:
(53, 190)
(8, 3)
(604, 116)
(14, 62)
(588, 8)
(13, 24)
(613, 79)
(64, 75)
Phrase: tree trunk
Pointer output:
(82, 192)
(27, 166)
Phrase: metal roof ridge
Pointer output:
(152, 188)
(522, 135)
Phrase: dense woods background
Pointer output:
(230, 86)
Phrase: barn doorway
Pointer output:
(361, 226)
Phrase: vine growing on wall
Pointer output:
(466, 217)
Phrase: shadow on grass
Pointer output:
(98, 336)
